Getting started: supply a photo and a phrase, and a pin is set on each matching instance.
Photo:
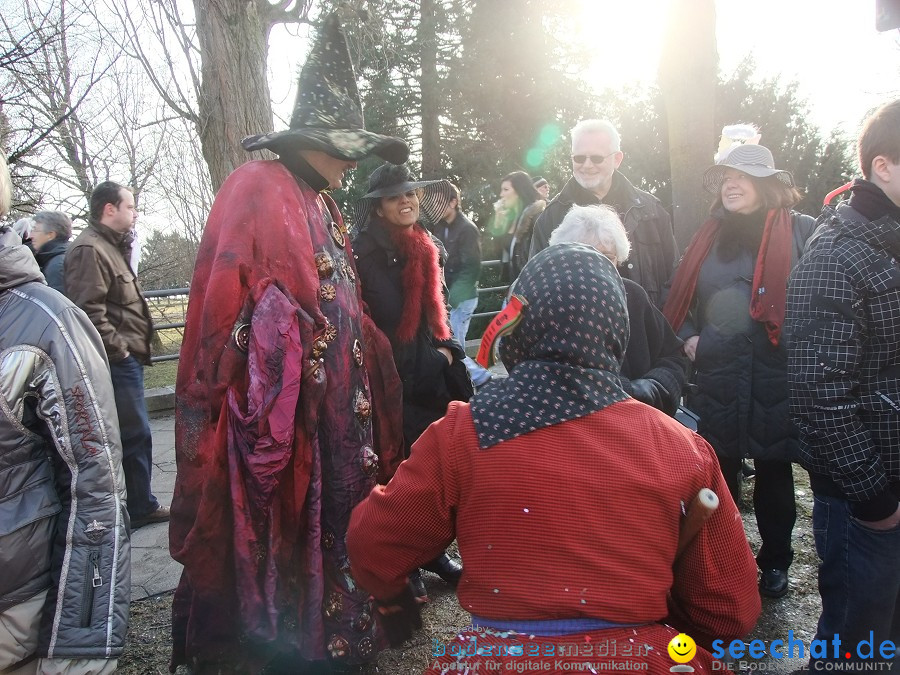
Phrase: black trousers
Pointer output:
(773, 502)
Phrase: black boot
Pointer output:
(446, 568)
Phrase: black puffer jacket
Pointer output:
(742, 396)
(429, 382)
(653, 250)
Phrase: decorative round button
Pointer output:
(348, 270)
(366, 647)
(338, 647)
(319, 347)
(327, 292)
(324, 265)
(328, 539)
(362, 408)
(330, 332)
(241, 335)
(357, 353)
(334, 603)
(363, 622)
(337, 235)
(369, 461)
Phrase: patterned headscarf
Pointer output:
(564, 357)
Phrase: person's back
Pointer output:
(64, 547)
(565, 495)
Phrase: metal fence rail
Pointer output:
(168, 307)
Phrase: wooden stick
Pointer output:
(703, 506)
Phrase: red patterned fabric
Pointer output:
(273, 442)
(579, 519)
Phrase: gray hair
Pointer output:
(5, 187)
(597, 225)
(55, 221)
(597, 126)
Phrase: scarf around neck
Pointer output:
(773, 266)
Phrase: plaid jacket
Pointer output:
(843, 322)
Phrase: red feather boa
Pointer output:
(422, 284)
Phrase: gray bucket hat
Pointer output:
(389, 180)
(753, 160)
(328, 112)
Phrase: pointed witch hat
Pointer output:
(328, 113)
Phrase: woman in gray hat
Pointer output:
(727, 303)
(399, 264)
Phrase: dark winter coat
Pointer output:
(844, 360)
(462, 242)
(50, 259)
(742, 396)
(653, 354)
(649, 227)
(429, 382)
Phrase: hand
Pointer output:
(400, 616)
(690, 347)
(888, 523)
(447, 354)
(648, 391)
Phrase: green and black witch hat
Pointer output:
(328, 113)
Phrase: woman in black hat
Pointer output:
(399, 264)
(727, 303)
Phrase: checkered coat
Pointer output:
(843, 318)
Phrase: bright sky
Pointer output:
(830, 47)
(844, 66)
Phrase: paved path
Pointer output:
(152, 569)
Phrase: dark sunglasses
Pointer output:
(595, 159)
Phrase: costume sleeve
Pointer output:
(826, 324)
(409, 521)
(714, 590)
(87, 285)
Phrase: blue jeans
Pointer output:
(859, 577)
(137, 441)
(460, 317)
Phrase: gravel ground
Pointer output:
(147, 647)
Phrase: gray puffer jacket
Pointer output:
(63, 523)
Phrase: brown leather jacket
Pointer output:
(99, 279)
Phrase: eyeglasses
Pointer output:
(595, 159)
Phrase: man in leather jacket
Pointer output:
(596, 157)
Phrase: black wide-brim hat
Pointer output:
(328, 112)
(389, 180)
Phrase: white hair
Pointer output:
(5, 187)
(597, 126)
(597, 225)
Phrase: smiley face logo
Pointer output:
(682, 648)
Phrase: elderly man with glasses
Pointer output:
(596, 156)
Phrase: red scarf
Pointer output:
(773, 266)
(422, 287)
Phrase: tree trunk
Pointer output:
(430, 101)
(234, 97)
(687, 79)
